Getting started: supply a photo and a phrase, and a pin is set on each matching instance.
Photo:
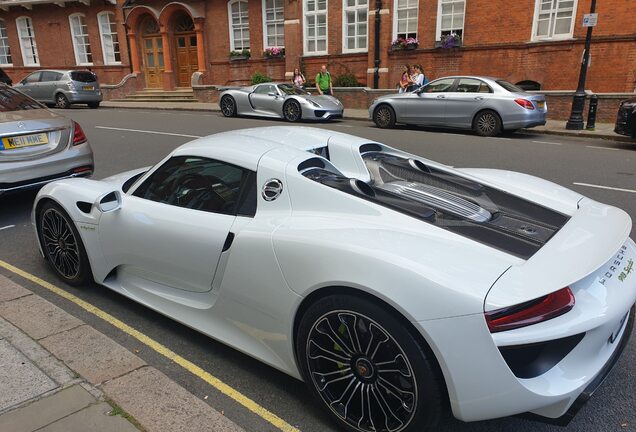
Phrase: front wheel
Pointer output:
(228, 106)
(62, 245)
(487, 124)
(365, 367)
(61, 101)
(292, 111)
(384, 117)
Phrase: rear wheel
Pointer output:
(62, 245)
(384, 117)
(292, 111)
(61, 101)
(228, 106)
(487, 124)
(93, 105)
(365, 367)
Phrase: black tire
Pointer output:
(292, 111)
(61, 101)
(384, 117)
(228, 106)
(93, 105)
(62, 245)
(325, 331)
(487, 123)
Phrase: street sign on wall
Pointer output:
(590, 20)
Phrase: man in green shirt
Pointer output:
(323, 81)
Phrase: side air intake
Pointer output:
(438, 198)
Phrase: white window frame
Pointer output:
(552, 24)
(4, 42)
(34, 47)
(439, 18)
(74, 41)
(395, 18)
(315, 14)
(102, 37)
(345, 27)
(246, 23)
(280, 22)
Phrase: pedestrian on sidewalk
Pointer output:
(405, 80)
(417, 78)
(299, 79)
(323, 81)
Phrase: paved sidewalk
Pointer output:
(58, 374)
(554, 127)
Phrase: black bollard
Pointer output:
(591, 114)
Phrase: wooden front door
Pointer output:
(153, 61)
(187, 61)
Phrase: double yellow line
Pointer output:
(161, 349)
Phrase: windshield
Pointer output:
(13, 100)
(510, 87)
(289, 89)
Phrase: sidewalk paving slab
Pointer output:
(95, 418)
(91, 354)
(161, 405)
(37, 317)
(46, 411)
(20, 379)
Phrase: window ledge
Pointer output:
(6, 64)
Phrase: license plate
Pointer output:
(541, 104)
(88, 88)
(25, 141)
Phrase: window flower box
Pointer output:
(274, 53)
(448, 41)
(401, 44)
(240, 55)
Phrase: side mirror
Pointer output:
(109, 202)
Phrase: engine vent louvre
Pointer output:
(438, 198)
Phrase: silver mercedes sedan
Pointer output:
(37, 145)
(486, 105)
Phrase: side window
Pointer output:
(262, 89)
(471, 85)
(48, 76)
(33, 78)
(439, 86)
(199, 184)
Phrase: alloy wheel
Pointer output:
(361, 372)
(487, 123)
(228, 106)
(61, 101)
(292, 111)
(384, 117)
(60, 244)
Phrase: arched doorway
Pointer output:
(185, 40)
(152, 47)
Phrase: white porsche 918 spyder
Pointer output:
(392, 285)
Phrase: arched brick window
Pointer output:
(110, 40)
(27, 41)
(81, 44)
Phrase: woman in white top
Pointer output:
(298, 79)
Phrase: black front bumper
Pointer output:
(566, 418)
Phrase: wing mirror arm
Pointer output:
(109, 202)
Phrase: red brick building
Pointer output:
(539, 42)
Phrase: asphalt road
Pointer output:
(127, 139)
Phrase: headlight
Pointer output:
(313, 103)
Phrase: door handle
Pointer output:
(441, 97)
(478, 98)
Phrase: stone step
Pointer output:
(159, 97)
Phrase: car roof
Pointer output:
(245, 147)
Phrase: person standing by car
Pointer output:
(417, 78)
(5, 78)
(323, 81)
(299, 79)
(405, 80)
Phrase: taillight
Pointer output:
(525, 103)
(78, 134)
(532, 312)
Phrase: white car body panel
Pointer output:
(313, 236)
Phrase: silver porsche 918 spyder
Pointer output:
(393, 285)
(279, 100)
